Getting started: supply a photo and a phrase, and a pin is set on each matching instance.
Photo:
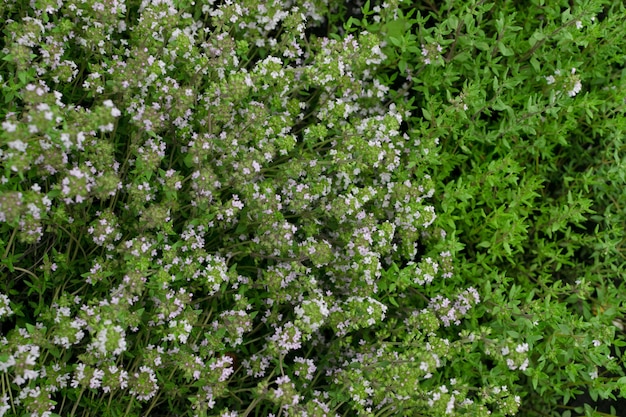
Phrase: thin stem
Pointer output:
(110, 400)
(251, 407)
(8, 248)
(73, 239)
(6, 387)
(154, 401)
(26, 271)
(130, 403)
(532, 50)
(80, 394)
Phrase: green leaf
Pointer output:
(55, 352)
(22, 76)
(241, 227)
(621, 383)
(351, 22)
(453, 22)
(188, 161)
(8, 262)
(505, 50)
(393, 302)
(402, 66)
(536, 37)
(395, 28)
(395, 41)
(462, 57)
(366, 8)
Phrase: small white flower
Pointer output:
(18, 145)
(511, 364)
(9, 127)
(524, 365)
(5, 308)
(576, 89)
(521, 348)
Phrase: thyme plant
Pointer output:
(310, 208)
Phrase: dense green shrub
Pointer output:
(296, 208)
(528, 104)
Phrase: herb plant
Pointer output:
(311, 208)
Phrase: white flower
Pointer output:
(5, 365)
(9, 127)
(511, 364)
(5, 307)
(4, 405)
(524, 365)
(576, 89)
(18, 145)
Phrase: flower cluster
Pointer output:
(451, 312)
(515, 356)
(5, 307)
(569, 82)
(144, 384)
(105, 229)
(431, 53)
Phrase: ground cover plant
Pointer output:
(311, 208)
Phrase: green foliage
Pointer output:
(417, 209)
(523, 176)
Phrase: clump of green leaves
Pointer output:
(524, 102)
